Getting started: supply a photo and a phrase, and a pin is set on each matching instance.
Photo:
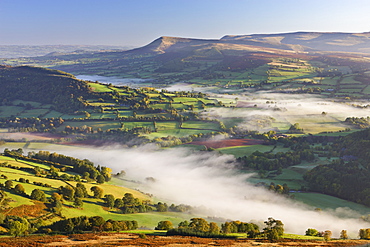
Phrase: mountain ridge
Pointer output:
(300, 41)
(319, 41)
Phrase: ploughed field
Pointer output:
(228, 143)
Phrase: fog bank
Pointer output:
(207, 179)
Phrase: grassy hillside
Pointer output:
(22, 205)
(57, 89)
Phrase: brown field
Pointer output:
(128, 239)
(29, 136)
(228, 143)
(35, 210)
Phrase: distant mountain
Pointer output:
(298, 41)
(342, 42)
(15, 51)
(174, 44)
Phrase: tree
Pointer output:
(128, 199)
(279, 189)
(364, 233)
(68, 192)
(183, 224)
(8, 184)
(97, 221)
(214, 228)
(19, 189)
(199, 224)
(327, 235)
(343, 234)
(162, 207)
(56, 203)
(80, 190)
(109, 200)
(98, 192)
(164, 225)
(19, 227)
(38, 195)
(100, 179)
(78, 203)
(107, 226)
(106, 172)
(274, 229)
(118, 203)
(312, 232)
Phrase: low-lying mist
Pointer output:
(314, 113)
(207, 179)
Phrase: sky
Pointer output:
(138, 22)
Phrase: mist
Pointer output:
(208, 180)
(314, 113)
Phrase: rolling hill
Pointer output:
(232, 62)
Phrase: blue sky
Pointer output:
(138, 22)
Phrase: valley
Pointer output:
(243, 128)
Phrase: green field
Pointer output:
(291, 178)
(200, 125)
(8, 111)
(101, 88)
(329, 202)
(239, 151)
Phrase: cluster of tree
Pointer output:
(84, 167)
(325, 234)
(271, 161)
(347, 180)
(71, 193)
(43, 85)
(346, 177)
(279, 189)
(158, 118)
(364, 233)
(273, 230)
(196, 227)
(359, 122)
(31, 124)
(95, 224)
(129, 136)
(251, 229)
(17, 189)
(18, 226)
(295, 129)
(128, 204)
(82, 129)
(55, 202)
